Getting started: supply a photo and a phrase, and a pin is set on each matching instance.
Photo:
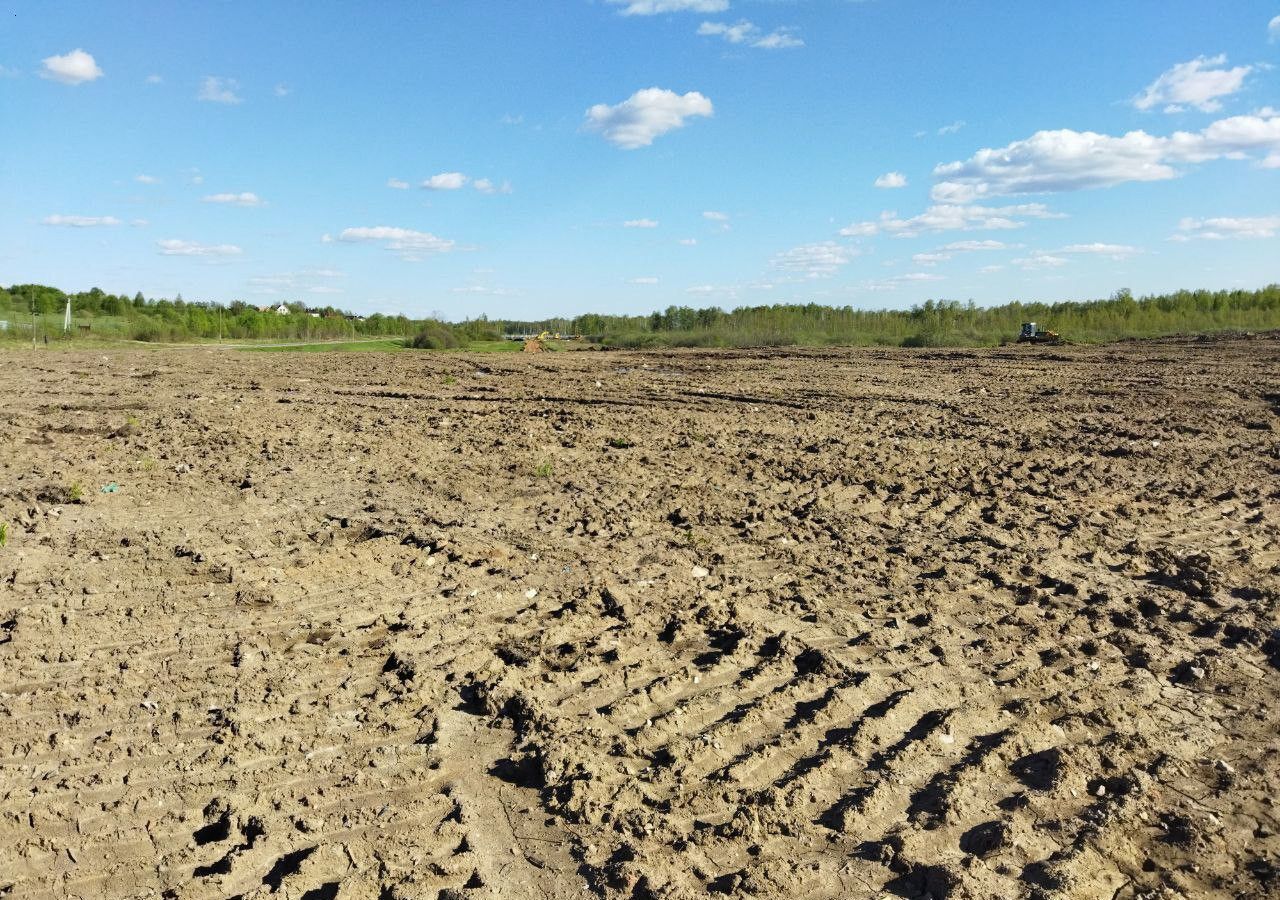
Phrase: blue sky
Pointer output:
(529, 159)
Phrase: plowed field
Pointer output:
(950, 624)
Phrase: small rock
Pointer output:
(699, 572)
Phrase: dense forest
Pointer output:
(97, 314)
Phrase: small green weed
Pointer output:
(449, 379)
(543, 469)
(75, 493)
(4, 533)
(619, 443)
(148, 464)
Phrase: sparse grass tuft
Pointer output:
(148, 464)
(543, 469)
(75, 493)
(449, 379)
(4, 533)
(620, 443)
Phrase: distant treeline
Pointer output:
(935, 323)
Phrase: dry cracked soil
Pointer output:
(951, 624)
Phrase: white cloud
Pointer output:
(80, 221)
(891, 180)
(952, 128)
(324, 289)
(1227, 228)
(155, 79)
(397, 184)
(1066, 160)
(974, 246)
(139, 223)
(715, 216)
(688, 242)
(410, 245)
(640, 223)
(75, 67)
(282, 90)
(987, 270)
(645, 115)
(174, 247)
(892, 284)
(445, 181)
(1111, 251)
(487, 186)
(214, 89)
(1273, 29)
(1040, 260)
(930, 259)
(244, 198)
(752, 35)
(657, 7)
(643, 279)
(951, 217)
(819, 260)
(1197, 83)
(146, 179)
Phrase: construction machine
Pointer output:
(1031, 334)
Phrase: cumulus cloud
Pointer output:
(146, 179)
(1066, 160)
(715, 215)
(397, 184)
(819, 260)
(73, 68)
(1110, 251)
(930, 259)
(891, 180)
(640, 223)
(410, 245)
(244, 198)
(951, 217)
(892, 284)
(488, 186)
(974, 246)
(752, 35)
(645, 115)
(1039, 260)
(1227, 228)
(657, 7)
(1197, 83)
(1273, 29)
(643, 279)
(174, 247)
(214, 89)
(445, 181)
(80, 221)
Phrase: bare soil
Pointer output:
(948, 624)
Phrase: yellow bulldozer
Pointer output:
(1031, 334)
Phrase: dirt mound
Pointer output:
(533, 345)
(753, 624)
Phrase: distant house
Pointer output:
(282, 310)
